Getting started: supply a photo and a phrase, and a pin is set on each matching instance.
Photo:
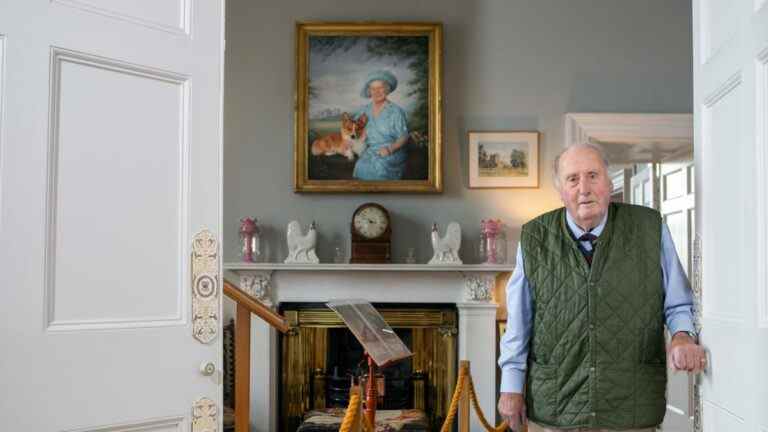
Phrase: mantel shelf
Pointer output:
(496, 268)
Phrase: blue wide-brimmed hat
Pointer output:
(379, 75)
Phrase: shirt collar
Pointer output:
(578, 232)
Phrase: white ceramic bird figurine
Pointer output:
(301, 247)
(446, 248)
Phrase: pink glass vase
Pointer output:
(493, 242)
(249, 239)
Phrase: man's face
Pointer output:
(584, 186)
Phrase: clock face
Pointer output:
(371, 222)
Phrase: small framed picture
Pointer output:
(504, 159)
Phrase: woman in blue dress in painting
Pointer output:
(386, 132)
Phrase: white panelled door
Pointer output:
(110, 163)
(731, 135)
(677, 207)
(643, 186)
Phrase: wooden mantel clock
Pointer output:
(371, 235)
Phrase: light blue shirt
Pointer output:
(678, 306)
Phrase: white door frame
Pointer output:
(628, 128)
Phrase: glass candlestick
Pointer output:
(338, 255)
(411, 258)
(249, 239)
(493, 244)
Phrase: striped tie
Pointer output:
(587, 237)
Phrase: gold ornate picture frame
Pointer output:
(368, 114)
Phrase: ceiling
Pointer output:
(630, 138)
(620, 153)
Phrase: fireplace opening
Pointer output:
(344, 361)
(319, 356)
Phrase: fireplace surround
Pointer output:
(468, 289)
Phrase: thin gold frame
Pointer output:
(434, 182)
(537, 166)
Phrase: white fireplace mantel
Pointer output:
(241, 266)
(469, 287)
(256, 278)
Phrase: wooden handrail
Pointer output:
(255, 307)
(247, 305)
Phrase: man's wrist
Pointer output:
(512, 381)
(680, 322)
(686, 334)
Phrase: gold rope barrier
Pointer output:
(352, 414)
(354, 420)
(460, 383)
(464, 380)
(473, 397)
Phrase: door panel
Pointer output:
(103, 133)
(172, 16)
(730, 81)
(108, 168)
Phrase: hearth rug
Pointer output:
(329, 419)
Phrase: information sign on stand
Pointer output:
(382, 346)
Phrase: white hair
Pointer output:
(597, 148)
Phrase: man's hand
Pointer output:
(512, 410)
(685, 354)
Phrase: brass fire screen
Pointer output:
(304, 351)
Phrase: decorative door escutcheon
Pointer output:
(205, 287)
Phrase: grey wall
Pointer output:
(509, 65)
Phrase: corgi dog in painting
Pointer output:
(349, 141)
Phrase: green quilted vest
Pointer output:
(597, 354)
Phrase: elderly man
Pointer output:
(594, 285)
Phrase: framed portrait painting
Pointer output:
(368, 115)
(504, 159)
